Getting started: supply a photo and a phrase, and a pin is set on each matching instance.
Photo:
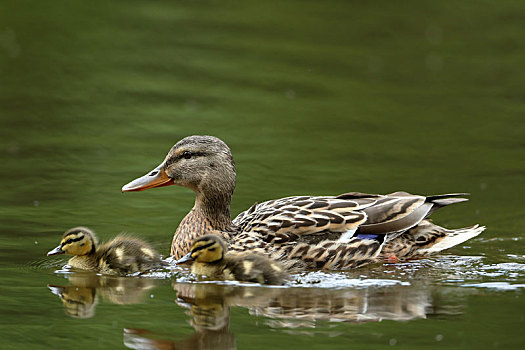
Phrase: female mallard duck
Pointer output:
(210, 258)
(122, 255)
(322, 232)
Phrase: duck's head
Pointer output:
(205, 249)
(76, 241)
(201, 163)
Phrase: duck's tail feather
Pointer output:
(442, 200)
(446, 196)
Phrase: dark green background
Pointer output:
(313, 97)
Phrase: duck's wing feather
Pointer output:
(399, 211)
(304, 215)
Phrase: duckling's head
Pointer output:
(76, 241)
(202, 163)
(78, 301)
(206, 249)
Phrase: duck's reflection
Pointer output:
(209, 305)
(398, 303)
(81, 296)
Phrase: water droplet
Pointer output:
(434, 62)
(152, 296)
(290, 94)
(439, 337)
(434, 34)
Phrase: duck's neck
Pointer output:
(215, 208)
(211, 213)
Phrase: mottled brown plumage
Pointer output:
(122, 255)
(328, 232)
(210, 258)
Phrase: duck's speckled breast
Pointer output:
(192, 226)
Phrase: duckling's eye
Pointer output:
(186, 154)
(211, 249)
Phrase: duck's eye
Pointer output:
(186, 154)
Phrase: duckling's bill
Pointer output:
(155, 178)
(186, 258)
(58, 250)
(57, 290)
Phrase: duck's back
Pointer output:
(125, 255)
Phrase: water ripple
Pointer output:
(495, 285)
(320, 279)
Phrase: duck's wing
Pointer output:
(336, 232)
(274, 221)
(373, 214)
(397, 212)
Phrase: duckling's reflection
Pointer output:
(209, 306)
(81, 297)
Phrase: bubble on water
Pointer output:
(392, 341)
(290, 94)
(439, 337)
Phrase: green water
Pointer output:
(313, 97)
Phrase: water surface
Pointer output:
(313, 98)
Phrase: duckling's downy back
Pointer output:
(127, 254)
(256, 268)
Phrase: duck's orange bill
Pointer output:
(155, 178)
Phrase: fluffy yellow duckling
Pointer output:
(120, 256)
(210, 258)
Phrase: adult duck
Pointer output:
(330, 232)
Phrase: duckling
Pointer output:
(122, 255)
(210, 257)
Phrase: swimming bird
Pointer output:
(210, 258)
(122, 255)
(329, 232)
